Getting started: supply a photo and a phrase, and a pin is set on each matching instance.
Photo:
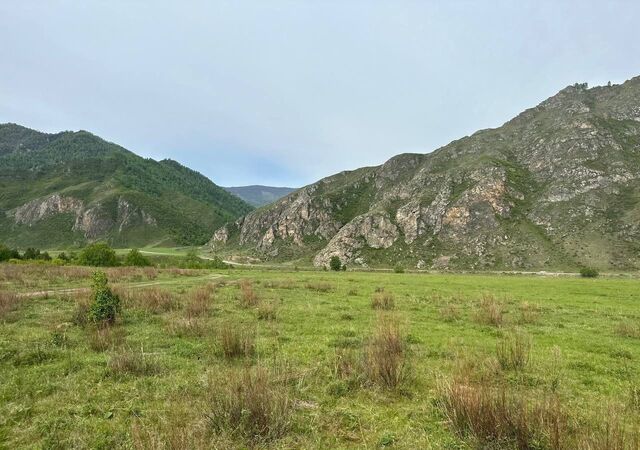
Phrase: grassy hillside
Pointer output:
(257, 195)
(107, 191)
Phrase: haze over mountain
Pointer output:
(72, 187)
(258, 195)
(558, 186)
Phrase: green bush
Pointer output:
(99, 255)
(105, 305)
(398, 269)
(135, 258)
(335, 263)
(589, 272)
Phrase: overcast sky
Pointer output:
(284, 93)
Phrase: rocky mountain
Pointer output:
(557, 187)
(257, 195)
(73, 187)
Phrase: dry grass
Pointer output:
(183, 327)
(385, 354)
(320, 286)
(151, 300)
(103, 338)
(529, 313)
(8, 302)
(490, 311)
(248, 296)
(267, 311)
(450, 313)
(514, 351)
(236, 342)
(499, 418)
(250, 403)
(198, 302)
(129, 362)
(383, 300)
(628, 329)
(280, 284)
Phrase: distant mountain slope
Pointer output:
(557, 187)
(72, 187)
(257, 195)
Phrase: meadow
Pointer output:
(249, 358)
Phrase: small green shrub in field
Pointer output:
(135, 258)
(335, 263)
(105, 305)
(589, 272)
(398, 269)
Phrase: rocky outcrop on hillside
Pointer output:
(556, 187)
(93, 221)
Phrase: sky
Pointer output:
(286, 92)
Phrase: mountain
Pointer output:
(257, 195)
(72, 187)
(557, 187)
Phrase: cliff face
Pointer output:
(556, 187)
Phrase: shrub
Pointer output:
(383, 300)
(135, 258)
(105, 304)
(248, 296)
(335, 263)
(385, 355)
(250, 404)
(589, 272)
(513, 351)
(8, 302)
(99, 255)
(398, 269)
(236, 341)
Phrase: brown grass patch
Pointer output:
(251, 404)
(267, 311)
(151, 300)
(103, 338)
(8, 302)
(490, 311)
(248, 296)
(198, 302)
(320, 286)
(628, 329)
(237, 341)
(129, 362)
(529, 313)
(385, 354)
(450, 313)
(383, 300)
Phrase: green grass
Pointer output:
(58, 392)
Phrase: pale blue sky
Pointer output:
(286, 92)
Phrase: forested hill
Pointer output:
(72, 187)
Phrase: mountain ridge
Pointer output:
(72, 187)
(259, 195)
(557, 186)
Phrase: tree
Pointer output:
(5, 253)
(335, 263)
(135, 258)
(105, 304)
(31, 253)
(99, 255)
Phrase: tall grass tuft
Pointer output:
(385, 354)
(514, 351)
(198, 303)
(151, 300)
(129, 362)
(383, 300)
(251, 404)
(8, 302)
(237, 342)
(490, 311)
(248, 296)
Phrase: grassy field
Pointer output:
(275, 359)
